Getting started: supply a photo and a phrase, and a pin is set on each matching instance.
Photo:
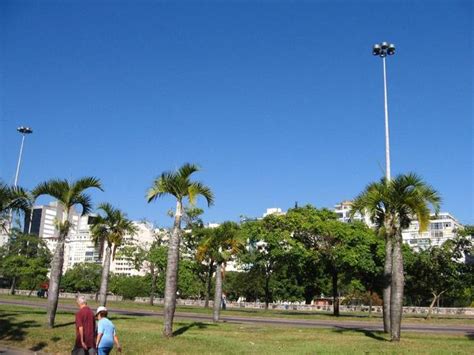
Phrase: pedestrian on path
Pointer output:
(85, 329)
(106, 333)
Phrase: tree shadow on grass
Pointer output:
(10, 329)
(185, 328)
(38, 346)
(377, 335)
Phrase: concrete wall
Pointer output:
(66, 295)
(315, 308)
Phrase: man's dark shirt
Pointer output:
(85, 319)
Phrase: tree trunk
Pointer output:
(104, 282)
(335, 294)
(435, 299)
(172, 273)
(154, 276)
(370, 302)
(217, 293)
(54, 281)
(267, 291)
(396, 297)
(13, 286)
(208, 283)
(387, 281)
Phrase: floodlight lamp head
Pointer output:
(384, 45)
(24, 130)
(391, 49)
(376, 49)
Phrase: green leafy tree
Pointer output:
(82, 277)
(25, 258)
(153, 259)
(437, 270)
(129, 287)
(269, 247)
(220, 244)
(179, 185)
(108, 230)
(68, 194)
(391, 204)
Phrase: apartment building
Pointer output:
(442, 227)
(144, 238)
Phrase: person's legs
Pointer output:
(103, 351)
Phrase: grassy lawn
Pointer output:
(290, 314)
(22, 327)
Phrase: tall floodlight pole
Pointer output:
(23, 131)
(382, 50)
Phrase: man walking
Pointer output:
(85, 329)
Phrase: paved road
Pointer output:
(307, 323)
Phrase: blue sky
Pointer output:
(277, 101)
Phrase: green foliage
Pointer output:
(15, 199)
(440, 271)
(110, 227)
(26, 258)
(82, 277)
(129, 286)
(190, 284)
(178, 184)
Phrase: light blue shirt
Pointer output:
(107, 328)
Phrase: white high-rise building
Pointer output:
(79, 247)
(442, 227)
(343, 210)
(144, 238)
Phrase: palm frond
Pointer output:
(57, 188)
(85, 183)
(84, 200)
(197, 188)
(187, 169)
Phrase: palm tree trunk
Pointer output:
(396, 297)
(104, 282)
(387, 281)
(54, 281)
(217, 293)
(335, 294)
(172, 273)
(208, 283)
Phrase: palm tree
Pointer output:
(68, 194)
(12, 199)
(391, 205)
(220, 245)
(372, 197)
(109, 230)
(179, 185)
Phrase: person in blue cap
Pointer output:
(106, 334)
